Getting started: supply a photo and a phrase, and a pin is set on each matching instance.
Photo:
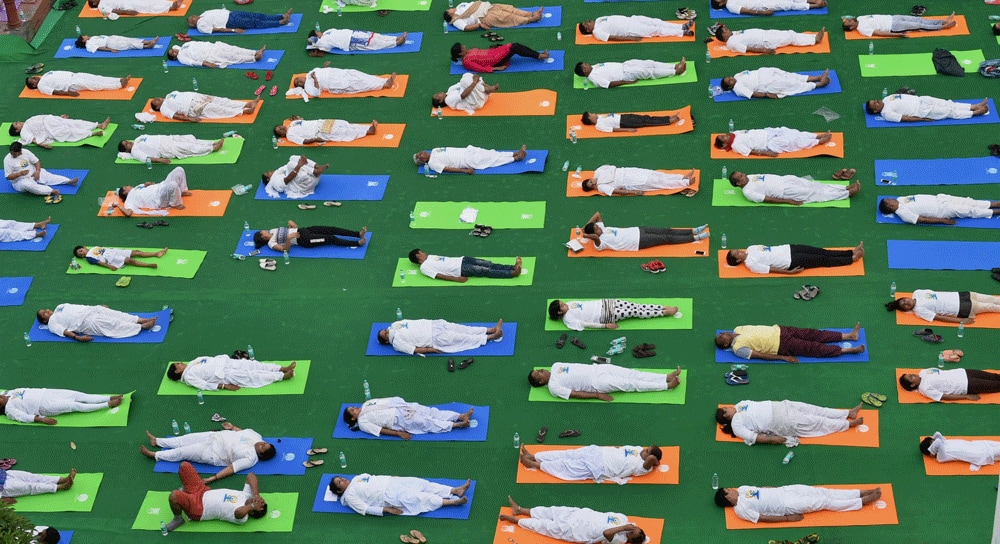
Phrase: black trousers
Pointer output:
(661, 236)
(519, 50)
(324, 236)
(817, 257)
(982, 382)
(632, 120)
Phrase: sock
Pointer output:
(699, 230)
(702, 236)
(175, 523)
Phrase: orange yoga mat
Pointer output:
(959, 468)
(199, 204)
(128, 93)
(857, 268)
(850, 437)
(914, 397)
(961, 28)
(508, 532)
(397, 91)
(388, 135)
(238, 120)
(870, 514)
(684, 124)
(699, 248)
(718, 49)
(582, 39)
(573, 184)
(671, 461)
(981, 321)
(833, 148)
(534, 102)
(91, 13)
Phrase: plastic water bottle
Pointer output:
(246, 228)
(558, 36)
(201, 397)
(731, 125)
(715, 480)
(194, 83)
(961, 329)
(166, 69)
(138, 126)
(579, 168)
(871, 48)
(619, 340)
(27, 340)
(187, 428)
(274, 142)
(343, 460)
(229, 134)
(413, 217)
(317, 27)
(577, 231)
(586, 83)
(73, 264)
(788, 458)
(368, 391)
(163, 528)
(78, 31)
(445, 26)
(451, 3)
(711, 92)
(885, 92)
(149, 163)
(251, 353)
(175, 427)
(892, 289)
(284, 255)
(572, 133)
(708, 57)
(399, 314)
(725, 172)
(439, 113)
(20, 14)
(340, 10)
(517, 441)
(995, 17)
(565, 166)
(402, 276)
(940, 359)
(239, 189)
(722, 240)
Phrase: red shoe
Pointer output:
(268, 75)
(259, 90)
(253, 75)
(274, 90)
(182, 37)
(657, 266)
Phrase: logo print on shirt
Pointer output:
(753, 494)
(229, 498)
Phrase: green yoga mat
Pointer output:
(294, 386)
(685, 307)
(499, 215)
(689, 76)
(724, 194)
(280, 517)
(676, 395)
(415, 279)
(330, 6)
(114, 417)
(177, 263)
(97, 141)
(229, 154)
(79, 498)
(914, 64)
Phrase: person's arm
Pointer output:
(229, 30)
(912, 119)
(108, 266)
(773, 200)
(446, 277)
(585, 395)
(469, 171)
(609, 533)
(125, 11)
(960, 397)
(392, 432)
(779, 519)
(627, 192)
(126, 211)
(951, 319)
(614, 38)
(228, 387)
(42, 144)
(769, 439)
(619, 83)
(50, 421)
(468, 90)
(935, 220)
(392, 511)
(287, 246)
(890, 34)
(295, 171)
(760, 49)
(308, 141)
(224, 473)
(108, 49)
(596, 218)
(751, 11)
(763, 152)
(78, 337)
(759, 94)
(159, 160)
(18, 174)
(754, 354)
(254, 484)
(650, 462)
(207, 64)
(185, 117)
(292, 224)
(620, 129)
(426, 350)
(230, 427)
(795, 270)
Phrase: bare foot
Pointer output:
(145, 451)
(260, 53)
(825, 137)
(669, 310)
(115, 400)
(520, 154)
(67, 482)
(853, 189)
(217, 145)
(515, 508)
(105, 124)
(40, 234)
(824, 79)
(152, 439)
(390, 82)
(853, 412)
(374, 128)
(43, 224)
(949, 22)
(286, 17)
(855, 422)
(149, 324)
(820, 35)
(162, 252)
(517, 267)
(125, 80)
(537, 16)
(543, 55)
(361, 236)
(680, 67)
(320, 168)
(288, 371)
(858, 252)
(73, 181)
(402, 39)
(460, 490)
(467, 415)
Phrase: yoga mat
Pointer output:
(653, 527)
(690, 75)
(90, 13)
(229, 154)
(964, 171)
(414, 278)
(68, 49)
(685, 307)
(676, 395)
(97, 141)
(329, 6)
(551, 17)
(499, 215)
(535, 102)
(667, 472)
(684, 124)
(127, 93)
(698, 248)
(589, 39)
(462, 511)
(65, 189)
(728, 357)
(294, 386)
(14, 289)
(412, 45)
(65, 537)
(79, 498)
(386, 135)
(981, 321)
(726, 14)
(292, 27)
(177, 263)
(38, 334)
(573, 184)
(965, 222)
(853, 436)
(832, 88)
(280, 516)
(880, 512)
(201, 203)
(833, 148)
(397, 91)
(961, 28)
(291, 453)
(35, 244)
(245, 246)
(481, 418)
(518, 64)
(111, 417)
(490, 349)
(724, 194)
(914, 397)
(269, 61)
(914, 64)
(719, 50)
(534, 161)
(877, 121)
(238, 120)
(943, 255)
(959, 468)
(339, 187)
(857, 268)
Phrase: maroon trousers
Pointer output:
(809, 342)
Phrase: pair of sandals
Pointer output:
(53, 199)
(415, 537)
(314, 462)
(481, 231)
(654, 267)
(123, 281)
(873, 399)
(274, 89)
(927, 335)
(575, 341)
(493, 36)
(6, 464)
(738, 377)
(36, 68)
(182, 37)
(918, 10)
(686, 14)
(461, 366)
(644, 350)
(544, 431)
(67, 5)
(845, 173)
(268, 264)
(808, 292)
(157, 223)
(811, 538)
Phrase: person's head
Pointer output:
(449, 14)
(722, 141)
(280, 131)
(240, 354)
(81, 41)
(48, 535)
(592, 228)
(421, 157)
(726, 496)
(724, 417)
(437, 100)
(736, 256)
(722, 33)
(417, 256)
(925, 445)
(266, 177)
(3, 404)
(299, 81)
(156, 103)
(351, 416)
(586, 27)
(849, 24)
(909, 382)
(123, 192)
(93, 3)
(724, 340)
(80, 251)
(903, 304)
(582, 69)
(31, 82)
(260, 238)
(635, 535)
(193, 21)
(172, 52)
(538, 378)
(125, 146)
(457, 51)
(557, 309)
(874, 106)
(728, 83)
(15, 149)
(43, 316)
(15, 128)
(655, 451)
(338, 485)
(588, 118)
(265, 451)
(738, 179)
(888, 205)
(175, 371)
(996, 29)
(588, 185)
(383, 337)
(718, 4)
(258, 507)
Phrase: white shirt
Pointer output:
(618, 238)
(913, 206)
(236, 448)
(222, 504)
(272, 242)
(761, 258)
(68, 317)
(935, 383)
(930, 303)
(436, 264)
(378, 414)
(750, 418)
(761, 186)
(623, 462)
(24, 403)
(609, 122)
(409, 334)
(582, 314)
(746, 141)
(568, 377)
(336, 38)
(868, 24)
(473, 18)
(754, 502)
(25, 161)
(212, 19)
(145, 147)
(118, 43)
(56, 80)
(365, 494)
(183, 102)
(606, 72)
(609, 178)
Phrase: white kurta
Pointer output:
(471, 19)
(330, 130)
(25, 403)
(788, 419)
(208, 373)
(169, 147)
(467, 157)
(346, 39)
(598, 463)
(142, 6)
(741, 40)
(935, 383)
(397, 414)
(609, 178)
(761, 258)
(118, 43)
(26, 183)
(896, 106)
(209, 20)
(200, 105)
(20, 483)
(772, 81)
(618, 238)
(605, 73)
(473, 101)
(368, 495)
(734, 6)
(574, 524)
(409, 334)
(302, 185)
(636, 26)
(46, 129)
(108, 255)
(927, 303)
(566, 378)
(974, 452)
(754, 502)
(58, 80)
(219, 53)
(16, 231)
(341, 81)
(760, 186)
(912, 207)
(216, 448)
(167, 193)
(778, 140)
(93, 321)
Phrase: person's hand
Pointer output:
(461, 279)
(303, 160)
(392, 510)
(80, 338)
(47, 421)
(605, 397)
(405, 435)
(611, 326)
(790, 359)
(227, 425)
(765, 12)
(475, 78)
(112, 267)
(796, 202)
(795, 517)
(238, 31)
(65, 116)
(796, 270)
(972, 396)
(44, 146)
(231, 387)
(469, 171)
(968, 320)
(37, 174)
(949, 221)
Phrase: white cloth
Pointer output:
(771, 80)
(603, 74)
(472, 18)
(166, 194)
(868, 24)
(219, 53)
(778, 140)
(346, 39)
(609, 122)
(330, 130)
(397, 414)
(897, 106)
(118, 43)
(467, 157)
(974, 452)
(742, 40)
(26, 183)
(58, 80)
(754, 501)
(761, 258)
(734, 6)
(616, 463)
(935, 383)
(368, 495)
(25, 403)
(200, 105)
(473, 101)
(212, 19)
(566, 378)
(618, 238)
(609, 178)
(46, 129)
(93, 321)
(302, 185)
(113, 256)
(574, 524)
(928, 304)
(636, 26)
(788, 419)
(169, 147)
(761, 186)
(912, 207)
(20, 483)
(341, 81)
(222, 504)
(141, 6)
(409, 334)
(208, 373)
(436, 264)
(16, 231)
(583, 314)
(216, 448)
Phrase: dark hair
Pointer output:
(154, 106)
(583, 30)
(996, 29)
(13, 130)
(240, 354)
(639, 538)
(883, 206)
(268, 453)
(716, 4)
(732, 178)
(349, 420)
(731, 258)
(29, 84)
(720, 498)
(719, 143)
(3, 409)
(258, 239)
(447, 16)
(413, 255)
(275, 131)
(456, 51)
(554, 308)
(122, 194)
(379, 337)
(16, 147)
(173, 373)
(257, 514)
(532, 380)
(892, 305)
(40, 319)
(589, 228)
(869, 108)
(718, 33)
(585, 188)
(264, 179)
(578, 70)
(80, 42)
(50, 536)
(76, 248)
(907, 384)
(437, 103)
(333, 486)
(585, 118)
(121, 147)
(720, 416)
(925, 445)
(725, 87)
(655, 451)
(718, 342)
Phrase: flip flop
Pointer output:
(252, 75)
(879, 396)
(871, 400)
(307, 206)
(953, 355)
(808, 292)
(259, 89)
(274, 90)
(486, 231)
(123, 281)
(561, 341)
(923, 332)
(312, 463)
(932, 338)
(160, 223)
(733, 379)
(332, 204)
(451, 364)
(144, 225)
(466, 363)
(268, 75)
(35, 68)
(569, 433)
(53, 199)
(419, 536)
(578, 343)
(218, 418)
(316, 451)
(408, 539)
(476, 231)
(844, 173)
(540, 437)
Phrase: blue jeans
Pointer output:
(249, 19)
(473, 267)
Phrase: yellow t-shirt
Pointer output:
(759, 338)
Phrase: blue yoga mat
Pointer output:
(68, 49)
(596, 1)
(833, 87)
(727, 356)
(245, 246)
(936, 255)
(65, 537)
(13, 290)
(339, 187)
(35, 244)
(291, 453)
(445, 512)
(518, 64)
(468, 434)
(7, 188)
(876, 121)
(412, 45)
(533, 162)
(38, 334)
(966, 222)
(726, 14)
(269, 61)
(551, 17)
(292, 27)
(505, 347)
(970, 171)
